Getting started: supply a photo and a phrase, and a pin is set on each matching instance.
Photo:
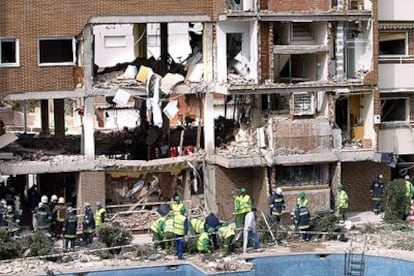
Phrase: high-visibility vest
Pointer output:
(302, 202)
(202, 241)
(408, 187)
(197, 225)
(226, 231)
(342, 199)
(179, 224)
(98, 217)
(177, 207)
(169, 225)
(158, 225)
(245, 204)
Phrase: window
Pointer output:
(393, 43)
(303, 103)
(9, 52)
(57, 51)
(394, 110)
(301, 175)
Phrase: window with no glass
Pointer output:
(393, 43)
(56, 51)
(9, 52)
(394, 110)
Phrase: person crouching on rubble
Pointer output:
(226, 233)
(69, 229)
(157, 230)
(180, 230)
(204, 242)
(88, 224)
(169, 236)
(196, 227)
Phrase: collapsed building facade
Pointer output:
(272, 94)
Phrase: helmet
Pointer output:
(380, 176)
(243, 190)
(40, 205)
(279, 191)
(44, 199)
(177, 198)
(302, 194)
(98, 203)
(61, 200)
(407, 177)
(87, 204)
(3, 202)
(340, 186)
(9, 208)
(54, 198)
(69, 210)
(233, 193)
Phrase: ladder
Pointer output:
(355, 262)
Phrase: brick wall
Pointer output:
(91, 187)
(294, 6)
(29, 20)
(357, 178)
(228, 180)
(266, 38)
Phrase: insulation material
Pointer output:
(121, 97)
(195, 72)
(130, 72)
(170, 81)
(171, 109)
(143, 73)
(153, 92)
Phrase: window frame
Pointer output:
(302, 172)
(17, 52)
(406, 54)
(46, 64)
(407, 110)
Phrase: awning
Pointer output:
(396, 25)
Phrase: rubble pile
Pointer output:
(137, 220)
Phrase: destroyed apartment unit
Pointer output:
(258, 95)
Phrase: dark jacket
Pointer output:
(70, 225)
(43, 217)
(88, 221)
(302, 217)
(211, 222)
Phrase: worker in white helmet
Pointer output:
(277, 205)
(377, 191)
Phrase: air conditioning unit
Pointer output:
(303, 103)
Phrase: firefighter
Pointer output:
(302, 218)
(178, 207)
(157, 230)
(88, 224)
(69, 229)
(180, 230)
(3, 212)
(377, 191)
(43, 217)
(51, 205)
(277, 205)
(100, 215)
(227, 234)
(212, 222)
(13, 222)
(59, 214)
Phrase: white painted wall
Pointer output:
(396, 76)
(249, 48)
(397, 140)
(367, 113)
(120, 118)
(113, 44)
(389, 10)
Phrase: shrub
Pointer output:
(39, 245)
(9, 248)
(114, 235)
(395, 202)
(326, 223)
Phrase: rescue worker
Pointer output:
(3, 212)
(169, 236)
(178, 207)
(243, 205)
(203, 242)
(69, 229)
(409, 194)
(59, 214)
(100, 215)
(196, 226)
(302, 218)
(302, 200)
(212, 222)
(88, 224)
(250, 230)
(180, 230)
(277, 205)
(43, 217)
(377, 191)
(157, 230)
(227, 234)
(341, 201)
(51, 205)
(13, 222)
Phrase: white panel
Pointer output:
(396, 76)
(399, 10)
(398, 140)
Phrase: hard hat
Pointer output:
(302, 194)
(177, 198)
(54, 198)
(40, 205)
(44, 199)
(3, 202)
(98, 203)
(87, 204)
(243, 190)
(340, 186)
(69, 210)
(233, 193)
(380, 176)
(407, 177)
(279, 191)
(9, 208)
(61, 200)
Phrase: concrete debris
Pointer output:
(138, 220)
(7, 139)
(169, 81)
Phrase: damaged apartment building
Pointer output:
(135, 103)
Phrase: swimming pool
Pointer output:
(304, 265)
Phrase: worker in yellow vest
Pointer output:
(100, 215)
(180, 230)
(227, 234)
(408, 193)
(157, 230)
(204, 242)
(169, 236)
(242, 205)
(342, 201)
(178, 207)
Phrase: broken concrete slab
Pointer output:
(169, 81)
(7, 139)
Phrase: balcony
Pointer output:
(396, 76)
(399, 140)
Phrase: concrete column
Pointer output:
(59, 117)
(340, 53)
(210, 188)
(88, 138)
(44, 116)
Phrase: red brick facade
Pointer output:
(297, 6)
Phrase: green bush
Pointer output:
(114, 235)
(395, 201)
(39, 245)
(326, 223)
(9, 248)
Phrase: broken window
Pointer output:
(394, 109)
(9, 52)
(393, 43)
(301, 175)
(303, 103)
(355, 50)
(276, 103)
(57, 51)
